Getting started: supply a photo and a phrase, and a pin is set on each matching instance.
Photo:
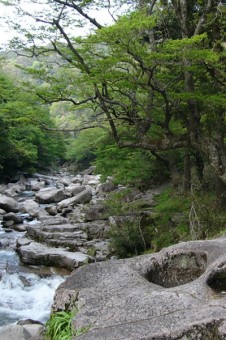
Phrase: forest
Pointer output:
(142, 98)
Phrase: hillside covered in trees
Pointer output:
(143, 98)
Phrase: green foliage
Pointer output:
(25, 142)
(129, 166)
(171, 218)
(59, 326)
(82, 148)
(155, 76)
(183, 217)
(130, 238)
(131, 234)
(207, 218)
(121, 202)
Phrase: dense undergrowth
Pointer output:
(175, 217)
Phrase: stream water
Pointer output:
(26, 292)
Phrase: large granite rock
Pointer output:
(33, 253)
(31, 207)
(83, 197)
(9, 204)
(50, 195)
(178, 293)
(75, 189)
(21, 332)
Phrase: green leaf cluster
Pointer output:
(59, 326)
(25, 142)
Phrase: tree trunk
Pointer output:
(187, 173)
(199, 164)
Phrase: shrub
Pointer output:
(130, 234)
(130, 238)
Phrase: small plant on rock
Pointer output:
(59, 326)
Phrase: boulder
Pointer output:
(66, 181)
(95, 229)
(77, 179)
(31, 207)
(89, 171)
(106, 187)
(21, 332)
(11, 192)
(37, 185)
(3, 187)
(51, 210)
(94, 212)
(178, 293)
(14, 332)
(7, 224)
(8, 204)
(17, 219)
(83, 197)
(40, 254)
(50, 195)
(17, 187)
(75, 189)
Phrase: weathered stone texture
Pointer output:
(177, 293)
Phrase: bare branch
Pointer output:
(71, 47)
(81, 12)
(65, 99)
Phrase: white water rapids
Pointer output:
(23, 294)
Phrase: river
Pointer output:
(26, 291)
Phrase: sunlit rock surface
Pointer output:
(178, 293)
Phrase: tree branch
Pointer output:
(81, 12)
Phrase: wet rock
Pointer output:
(177, 293)
(7, 224)
(20, 227)
(8, 204)
(17, 219)
(7, 230)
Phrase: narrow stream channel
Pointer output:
(26, 292)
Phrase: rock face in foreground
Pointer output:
(178, 293)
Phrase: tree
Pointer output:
(158, 71)
(24, 145)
